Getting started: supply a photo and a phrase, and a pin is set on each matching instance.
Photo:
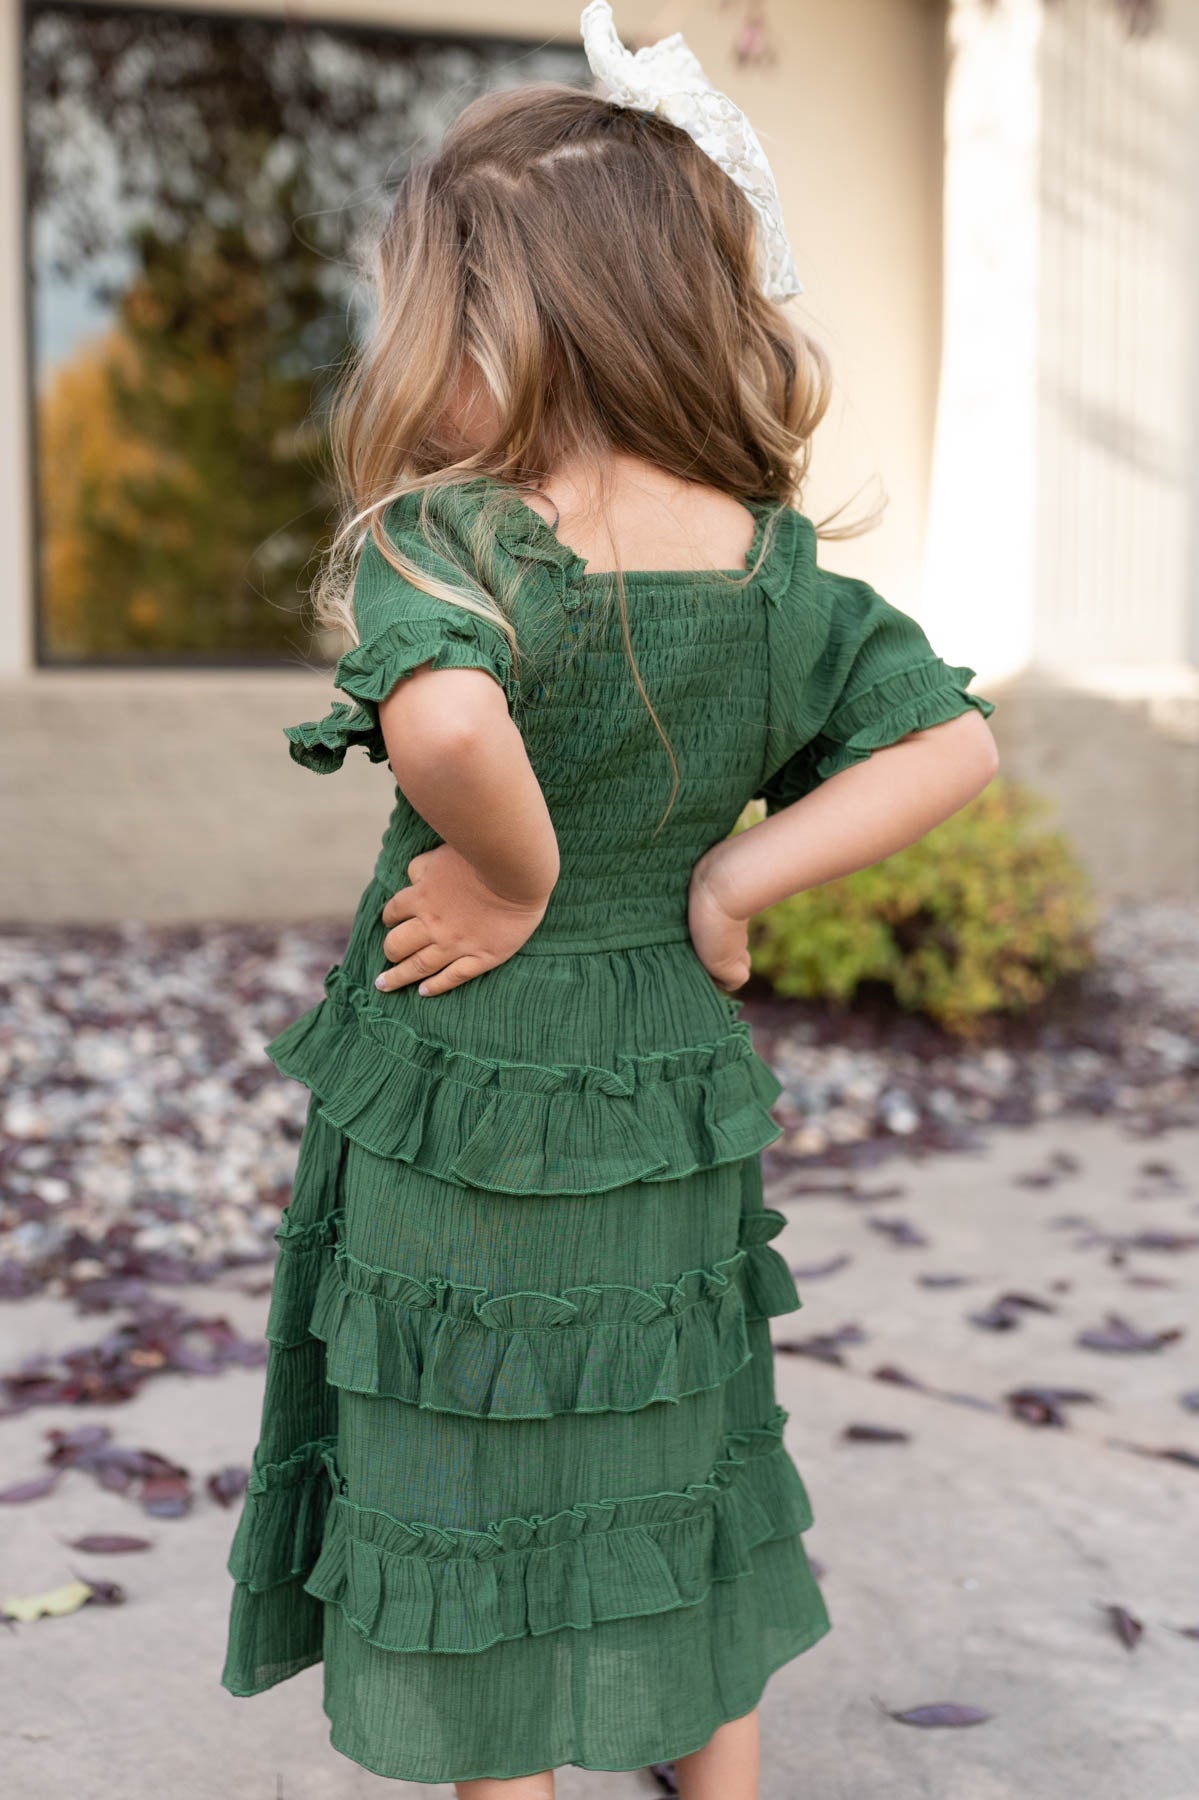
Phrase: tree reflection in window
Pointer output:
(197, 187)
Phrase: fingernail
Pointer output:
(422, 989)
(380, 981)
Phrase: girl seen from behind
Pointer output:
(522, 1486)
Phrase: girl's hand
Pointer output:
(721, 939)
(448, 927)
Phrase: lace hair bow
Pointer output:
(666, 78)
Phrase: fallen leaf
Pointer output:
(227, 1483)
(66, 1599)
(105, 1593)
(942, 1713)
(107, 1543)
(33, 1489)
(899, 1377)
(817, 1271)
(875, 1434)
(1043, 1405)
(1117, 1336)
(1188, 1458)
(1006, 1313)
(1127, 1628)
(901, 1232)
(1161, 1240)
(166, 1496)
(825, 1346)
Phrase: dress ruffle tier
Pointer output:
(323, 1572)
(447, 1347)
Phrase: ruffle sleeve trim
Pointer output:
(912, 700)
(411, 1586)
(369, 672)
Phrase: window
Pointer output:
(196, 187)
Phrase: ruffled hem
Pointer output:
(450, 1347)
(282, 1524)
(411, 1587)
(527, 1128)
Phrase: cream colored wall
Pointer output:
(122, 808)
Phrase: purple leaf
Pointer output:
(941, 1714)
(1127, 1628)
(825, 1346)
(227, 1483)
(899, 1378)
(71, 1446)
(166, 1496)
(1161, 1240)
(1043, 1405)
(104, 1593)
(901, 1232)
(817, 1271)
(34, 1489)
(875, 1434)
(1188, 1458)
(1117, 1336)
(107, 1543)
(1007, 1312)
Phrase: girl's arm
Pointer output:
(458, 757)
(853, 819)
(473, 900)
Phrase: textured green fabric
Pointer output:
(521, 1482)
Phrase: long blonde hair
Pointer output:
(596, 272)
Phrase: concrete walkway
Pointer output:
(969, 1564)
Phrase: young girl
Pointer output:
(521, 1482)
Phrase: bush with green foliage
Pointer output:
(984, 915)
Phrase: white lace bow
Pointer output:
(666, 78)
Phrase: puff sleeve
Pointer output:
(399, 628)
(867, 676)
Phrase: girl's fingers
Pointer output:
(425, 961)
(405, 939)
(455, 974)
(399, 907)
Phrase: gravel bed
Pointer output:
(144, 1134)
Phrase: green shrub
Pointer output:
(984, 915)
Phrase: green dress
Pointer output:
(521, 1481)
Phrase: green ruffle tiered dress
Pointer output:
(521, 1482)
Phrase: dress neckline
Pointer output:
(531, 535)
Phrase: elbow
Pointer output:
(451, 745)
(980, 761)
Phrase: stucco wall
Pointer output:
(174, 798)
